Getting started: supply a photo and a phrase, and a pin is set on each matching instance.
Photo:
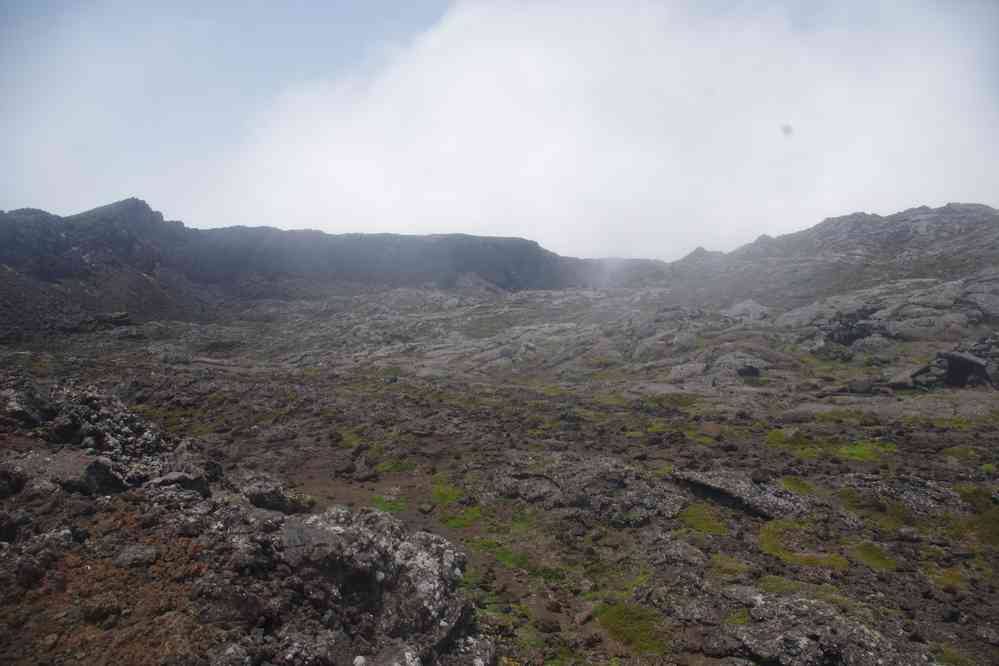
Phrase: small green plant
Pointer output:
(949, 655)
(738, 617)
(777, 438)
(797, 443)
(349, 438)
(388, 504)
(657, 426)
(504, 555)
(663, 472)
(530, 638)
(394, 466)
(695, 435)
(443, 493)
(703, 517)
(640, 629)
(988, 468)
(772, 543)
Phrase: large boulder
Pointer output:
(734, 488)
(798, 631)
(600, 490)
(267, 493)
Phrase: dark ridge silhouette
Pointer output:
(57, 271)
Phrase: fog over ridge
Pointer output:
(642, 131)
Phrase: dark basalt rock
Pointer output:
(12, 480)
(327, 587)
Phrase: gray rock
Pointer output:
(100, 478)
(267, 493)
(412, 578)
(12, 480)
(679, 552)
(25, 406)
(604, 489)
(733, 487)
(137, 556)
(198, 484)
(797, 631)
(748, 310)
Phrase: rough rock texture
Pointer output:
(620, 474)
(242, 583)
(806, 632)
(760, 498)
(600, 490)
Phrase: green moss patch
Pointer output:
(873, 556)
(675, 400)
(866, 450)
(779, 585)
(388, 504)
(951, 578)
(464, 519)
(853, 417)
(504, 555)
(797, 485)
(786, 586)
(728, 567)
(985, 523)
(697, 436)
(657, 426)
(640, 629)
(979, 497)
(795, 442)
(704, 518)
(959, 452)
(443, 493)
(349, 438)
(949, 655)
(772, 536)
(738, 617)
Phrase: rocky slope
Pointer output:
(321, 473)
(59, 273)
(113, 526)
(841, 254)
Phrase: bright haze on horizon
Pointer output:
(597, 129)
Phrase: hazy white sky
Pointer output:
(598, 129)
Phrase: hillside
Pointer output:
(251, 446)
(58, 272)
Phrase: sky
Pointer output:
(626, 129)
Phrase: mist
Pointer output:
(637, 131)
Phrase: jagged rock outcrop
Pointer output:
(70, 274)
(591, 491)
(246, 582)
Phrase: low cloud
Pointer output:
(638, 130)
